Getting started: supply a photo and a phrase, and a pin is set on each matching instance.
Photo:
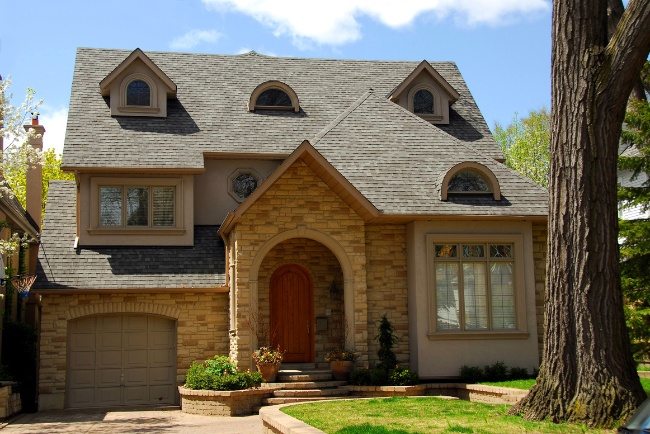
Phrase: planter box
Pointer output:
(223, 403)
(9, 399)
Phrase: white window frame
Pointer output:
(520, 331)
(125, 183)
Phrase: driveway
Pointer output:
(122, 421)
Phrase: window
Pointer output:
(273, 98)
(423, 102)
(138, 93)
(273, 95)
(468, 181)
(137, 206)
(242, 183)
(474, 286)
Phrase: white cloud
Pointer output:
(54, 121)
(193, 38)
(335, 22)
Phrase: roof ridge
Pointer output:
(329, 127)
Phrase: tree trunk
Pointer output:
(587, 373)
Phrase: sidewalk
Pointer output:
(121, 421)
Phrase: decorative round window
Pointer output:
(242, 183)
(468, 181)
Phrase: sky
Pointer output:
(502, 47)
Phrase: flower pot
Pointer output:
(269, 371)
(341, 369)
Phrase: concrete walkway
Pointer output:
(122, 421)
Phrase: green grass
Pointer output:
(645, 382)
(399, 415)
(515, 384)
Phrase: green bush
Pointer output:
(495, 372)
(403, 377)
(216, 374)
(471, 374)
(386, 338)
(516, 373)
(360, 377)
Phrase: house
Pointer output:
(223, 202)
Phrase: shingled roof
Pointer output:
(61, 266)
(210, 113)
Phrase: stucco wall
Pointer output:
(387, 290)
(299, 205)
(434, 357)
(202, 330)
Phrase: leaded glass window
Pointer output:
(244, 184)
(423, 102)
(468, 181)
(138, 93)
(143, 206)
(273, 98)
(474, 290)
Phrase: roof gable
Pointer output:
(425, 68)
(136, 55)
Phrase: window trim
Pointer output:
(437, 107)
(274, 84)
(153, 95)
(490, 178)
(97, 182)
(521, 328)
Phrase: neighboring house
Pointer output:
(215, 194)
(626, 179)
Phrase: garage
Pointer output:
(121, 360)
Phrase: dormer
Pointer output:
(426, 93)
(138, 87)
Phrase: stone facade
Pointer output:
(223, 403)
(202, 330)
(299, 205)
(10, 403)
(540, 249)
(387, 290)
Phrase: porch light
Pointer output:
(334, 290)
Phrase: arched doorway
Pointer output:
(291, 297)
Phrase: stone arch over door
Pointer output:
(338, 251)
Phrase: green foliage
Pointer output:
(403, 377)
(360, 377)
(268, 356)
(219, 374)
(19, 357)
(341, 354)
(4, 374)
(387, 339)
(496, 372)
(381, 377)
(525, 142)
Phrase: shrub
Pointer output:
(341, 354)
(516, 373)
(268, 355)
(379, 377)
(495, 372)
(386, 338)
(403, 377)
(471, 374)
(360, 377)
(215, 374)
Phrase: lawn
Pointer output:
(527, 384)
(420, 415)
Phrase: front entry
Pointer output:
(292, 312)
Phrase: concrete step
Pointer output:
(303, 393)
(297, 366)
(305, 385)
(278, 401)
(292, 376)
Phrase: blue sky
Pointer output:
(502, 47)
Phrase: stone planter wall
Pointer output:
(9, 399)
(223, 403)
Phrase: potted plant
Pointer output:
(268, 360)
(341, 361)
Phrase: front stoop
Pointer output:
(304, 383)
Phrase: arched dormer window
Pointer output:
(424, 100)
(138, 93)
(273, 95)
(470, 178)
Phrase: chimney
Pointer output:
(34, 187)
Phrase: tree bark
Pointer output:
(587, 373)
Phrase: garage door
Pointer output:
(120, 360)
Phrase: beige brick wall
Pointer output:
(323, 268)
(298, 199)
(387, 289)
(202, 329)
(540, 236)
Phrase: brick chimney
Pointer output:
(34, 187)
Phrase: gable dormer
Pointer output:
(426, 93)
(138, 87)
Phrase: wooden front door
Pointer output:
(292, 311)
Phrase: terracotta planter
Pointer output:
(341, 369)
(269, 371)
